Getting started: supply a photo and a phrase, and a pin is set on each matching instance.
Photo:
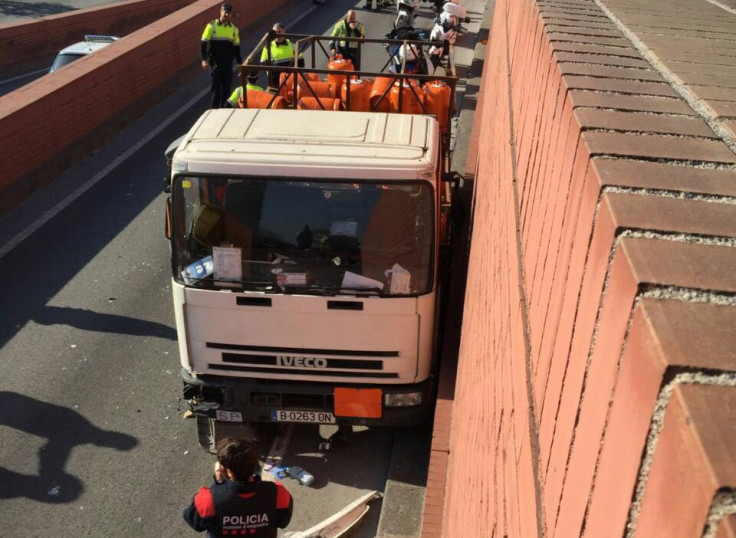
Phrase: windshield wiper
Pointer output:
(310, 290)
(360, 290)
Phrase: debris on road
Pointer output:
(340, 523)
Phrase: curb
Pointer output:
(414, 493)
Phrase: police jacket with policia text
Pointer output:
(253, 509)
(224, 44)
(280, 53)
(342, 29)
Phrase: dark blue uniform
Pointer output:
(253, 509)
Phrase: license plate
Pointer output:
(317, 417)
(229, 416)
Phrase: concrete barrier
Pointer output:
(46, 125)
(24, 41)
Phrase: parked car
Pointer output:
(90, 44)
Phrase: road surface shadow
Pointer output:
(23, 9)
(63, 429)
(88, 320)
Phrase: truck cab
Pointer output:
(305, 257)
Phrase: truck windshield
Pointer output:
(323, 238)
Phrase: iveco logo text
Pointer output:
(305, 362)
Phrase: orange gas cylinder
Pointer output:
(310, 103)
(360, 94)
(320, 89)
(380, 85)
(409, 103)
(259, 99)
(286, 83)
(338, 64)
(437, 101)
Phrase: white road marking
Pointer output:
(25, 75)
(79, 191)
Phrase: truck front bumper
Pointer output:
(257, 399)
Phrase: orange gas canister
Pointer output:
(437, 101)
(320, 89)
(360, 94)
(259, 99)
(310, 103)
(286, 83)
(338, 64)
(380, 85)
(409, 102)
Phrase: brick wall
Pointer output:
(596, 385)
(23, 41)
(51, 119)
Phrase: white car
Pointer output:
(90, 44)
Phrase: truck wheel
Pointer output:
(206, 433)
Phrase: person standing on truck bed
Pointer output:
(224, 44)
(347, 27)
(252, 84)
(239, 503)
(279, 51)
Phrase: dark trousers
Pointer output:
(222, 80)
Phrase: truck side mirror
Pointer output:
(169, 154)
(167, 224)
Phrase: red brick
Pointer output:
(603, 71)
(666, 177)
(689, 265)
(640, 212)
(623, 52)
(727, 527)
(600, 376)
(638, 103)
(695, 448)
(722, 109)
(592, 40)
(730, 125)
(562, 275)
(664, 335)
(566, 416)
(652, 123)
(601, 59)
(634, 145)
(623, 86)
(716, 93)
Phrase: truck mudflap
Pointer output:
(242, 400)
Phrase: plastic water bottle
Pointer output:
(300, 474)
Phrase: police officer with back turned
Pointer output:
(220, 44)
(238, 503)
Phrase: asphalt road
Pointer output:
(92, 438)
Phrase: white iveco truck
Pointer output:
(305, 256)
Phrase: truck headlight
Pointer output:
(406, 399)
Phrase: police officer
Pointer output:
(239, 503)
(347, 27)
(224, 44)
(279, 52)
(252, 84)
